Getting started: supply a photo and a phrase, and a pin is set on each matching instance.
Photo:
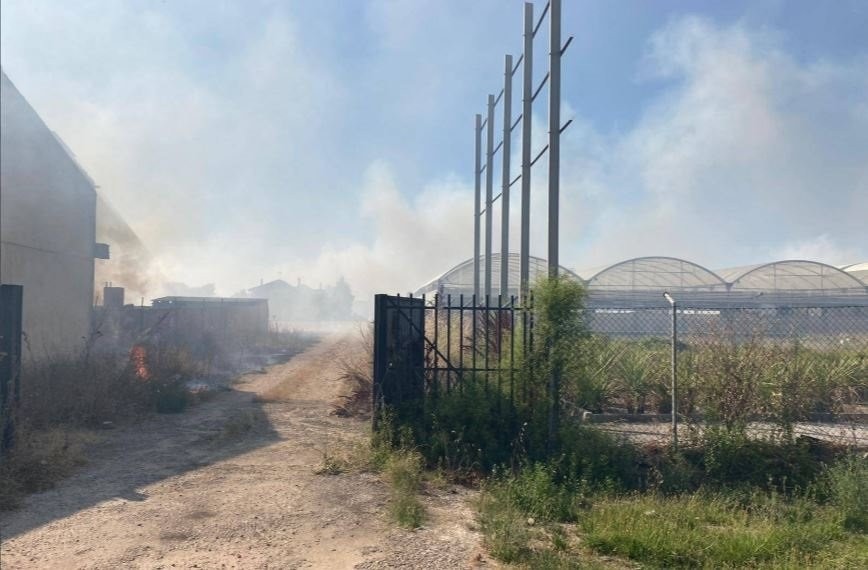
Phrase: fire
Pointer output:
(139, 360)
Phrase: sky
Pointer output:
(306, 140)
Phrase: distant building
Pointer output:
(289, 303)
(47, 229)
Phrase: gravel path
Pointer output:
(231, 484)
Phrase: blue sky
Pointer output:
(247, 140)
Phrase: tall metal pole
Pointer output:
(674, 362)
(476, 205)
(674, 376)
(554, 131)
(504, 185)
(489, 160)
(526, 114)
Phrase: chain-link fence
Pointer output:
(783, 371)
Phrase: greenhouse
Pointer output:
(641, 282)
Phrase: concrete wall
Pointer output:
(47, 224)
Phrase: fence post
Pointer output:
(555, 51)
(674, 361)
(526, 116)
(489, 166)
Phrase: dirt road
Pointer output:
(231, 484)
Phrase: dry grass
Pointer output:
(39, 459)
(357, 377)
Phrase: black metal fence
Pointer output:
(782, 364)
(425, 346)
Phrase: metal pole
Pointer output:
(526, 114)
(504, 185)
(489, 160)
(675, 376)
(476, 205)
(554, 131)
(674, 362)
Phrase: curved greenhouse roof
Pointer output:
(858, 270)
(459, 279)
(656, 274)
(642, 280)
(793, 275)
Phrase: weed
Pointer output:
(404, 474)
(712, 530)
(39, 459)
(847, 487)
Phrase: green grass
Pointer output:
(404, 474)
(535, 520)
(719, 531)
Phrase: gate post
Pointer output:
(11, 300)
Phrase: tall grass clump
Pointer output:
(404, 474)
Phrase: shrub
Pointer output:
(404, 474)
(847, 487)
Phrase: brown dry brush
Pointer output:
(356, 367)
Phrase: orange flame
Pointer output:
(139, 360)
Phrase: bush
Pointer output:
(39, 459)
(846, 485)
(730, 458)
(404, 474)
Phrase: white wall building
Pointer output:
(47, 229)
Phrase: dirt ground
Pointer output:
(230, 484)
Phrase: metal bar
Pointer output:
(540, 86)
(448, 338)
(541, 18)
(567, 124)
(497, 99)
(542, 152)
(487, 338)
(554, 134)
(566, 45)
(475, 321)
(504, 181)
(514, 180)
(476, 204)
(493, 200)
(461, 334)
(497, 148)
(489, 145)
(435, 385)
(481, 169)
(512, 349)
(517, 63)
(526, 102)
(515, 124)
(674, 376)
(499, 352)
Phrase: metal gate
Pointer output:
(399, 354)
(11, 297)
(425, 347)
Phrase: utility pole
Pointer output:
(489, 160)
(504, 185)
(554, 132)
(476, 207)
(526, 114)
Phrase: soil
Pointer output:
(231, 483)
